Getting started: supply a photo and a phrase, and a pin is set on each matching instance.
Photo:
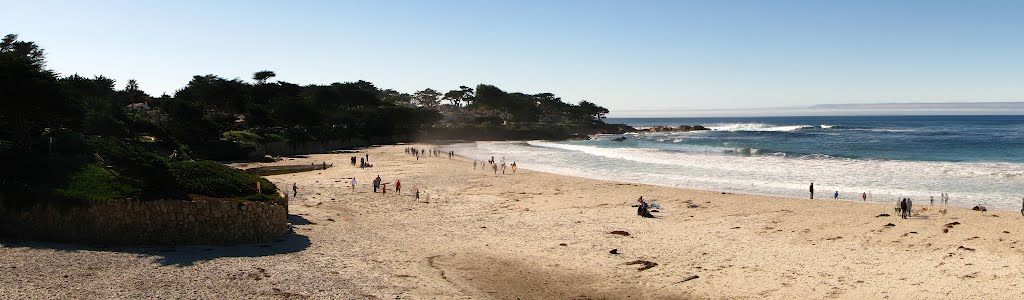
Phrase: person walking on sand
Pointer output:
(513, 167)
(836, 196)
(864, 196)
(295, 189)
(812, 190)
(353, 183)
(931, 200)
(398, 187)
(495, 167)
(502, 168)
(376, 183)
(384, 189)
(910, 207)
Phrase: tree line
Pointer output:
(58, 131)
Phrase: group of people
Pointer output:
(905, 205)
(494, 166)
(424, 152)
(364, 162)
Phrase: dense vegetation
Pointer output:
(72, 138)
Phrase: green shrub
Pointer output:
(132, 160)
(242, 138)
(94, 183)
(209, 178)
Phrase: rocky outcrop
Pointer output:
(682, 128)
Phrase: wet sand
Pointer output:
(535, 235)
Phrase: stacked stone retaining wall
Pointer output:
(170, 222)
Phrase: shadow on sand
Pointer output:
(181, 256)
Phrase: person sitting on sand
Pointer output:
(642, 210)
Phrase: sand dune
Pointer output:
(535, 235)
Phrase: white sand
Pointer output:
(498, 236)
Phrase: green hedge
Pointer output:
(213, 179)
(95, 183)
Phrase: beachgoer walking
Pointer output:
(910, 207)
(513, 167)
(812, 190)
(367, 156)
(495, 167)
(353, 160)
(931, 200)
(417, 192)
(353, 183)
(398, 187)
(503, 168)
(376, 183)
(864, 196)
(295, 189)
(384, 189)
(836, 196)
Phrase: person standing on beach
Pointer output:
(495, 167)
(812, 190)
(910, 207)
(353, 183)
(1022, 207)
(903, 208)
(295, 189)
(474, 164)
(376, 183)
(502, 168)
(931, 200)
(864, 196)
(836, 197)
(398, 187)
(513, 167)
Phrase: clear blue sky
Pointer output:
(623, 55)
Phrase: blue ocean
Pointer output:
(975, 159)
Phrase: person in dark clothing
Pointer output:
(295, 190)
(812, 190)
(642, 209)
(353, 160)
(376, 184)
(903, 208)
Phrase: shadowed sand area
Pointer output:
(542, 236)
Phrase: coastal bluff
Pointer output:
(167, 222)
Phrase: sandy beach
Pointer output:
(474, 234)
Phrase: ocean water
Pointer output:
(975, 159)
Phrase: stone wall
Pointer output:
(171, 222)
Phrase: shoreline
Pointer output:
(768, 175)
(546, 236)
